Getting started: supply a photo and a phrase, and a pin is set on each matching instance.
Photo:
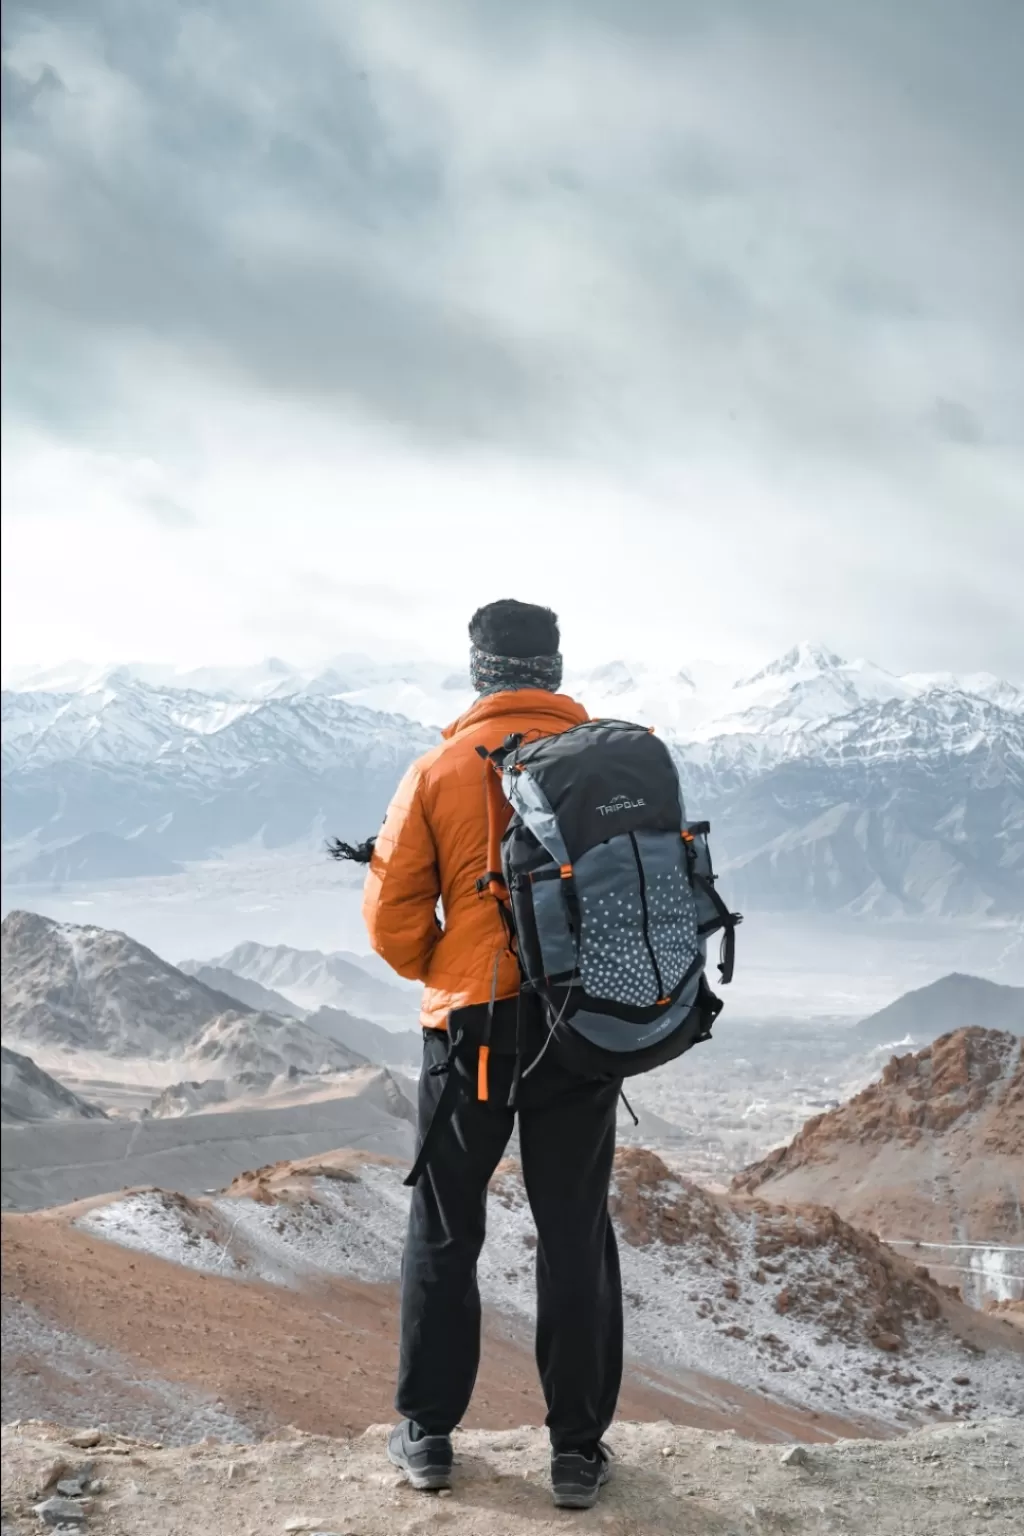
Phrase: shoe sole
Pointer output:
(427, 1481)
(577, 1498)
(580, 1495)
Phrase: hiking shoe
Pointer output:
(577, 1477)
(427, 1462)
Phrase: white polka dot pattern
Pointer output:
(615, 962)
(621, 959)
(671, 922)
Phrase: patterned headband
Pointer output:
(496, 674)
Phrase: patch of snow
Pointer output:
(688, 1306)
(169, 1228)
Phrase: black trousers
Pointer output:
(567, 1142)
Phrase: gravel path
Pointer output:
(953, 1481)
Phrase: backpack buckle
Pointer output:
(498, 755)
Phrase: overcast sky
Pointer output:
(325, 322)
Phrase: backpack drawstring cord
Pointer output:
(552, 1027)
(632, 1112)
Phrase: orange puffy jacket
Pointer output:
(433, 846)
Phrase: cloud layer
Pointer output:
(735, 280)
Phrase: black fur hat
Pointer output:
(508, 628)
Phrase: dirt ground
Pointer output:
(669, 1481)
(321, 1359)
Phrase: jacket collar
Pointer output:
(559, 708)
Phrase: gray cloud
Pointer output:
(357, 212)
(630, 235)
(174, 219)
(167, 510)
(955, 423)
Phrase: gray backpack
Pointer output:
(610, 896)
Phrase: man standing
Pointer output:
(433, 848)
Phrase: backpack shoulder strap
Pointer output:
(499, 814)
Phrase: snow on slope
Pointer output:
(806, 686)
(912, 806)
(194, 774)
(793, 1303)
(834, 785)
(809, 682)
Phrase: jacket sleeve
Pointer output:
(403, 885)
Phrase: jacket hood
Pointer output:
(557, 707)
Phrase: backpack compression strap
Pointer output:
(443, 1109)
(727, 921)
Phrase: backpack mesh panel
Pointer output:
(671, 909)
(615, 961)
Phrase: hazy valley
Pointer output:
(209, 1085)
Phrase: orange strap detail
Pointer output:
(482, 1083)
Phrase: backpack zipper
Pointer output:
(643, 909)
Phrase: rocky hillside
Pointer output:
(70, 990)
(291, 1089)
(31, 1095)
(951, 1003)
(668, 1480)
(250, 993)
(395, 1047)
(311, 979)
(263, 1043)
(197, 1097)
(795, 1305)
(931, 1151)
(91, 989)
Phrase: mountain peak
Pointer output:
(94, 989)
(804, 658)
(612, 677)
(943, 1006)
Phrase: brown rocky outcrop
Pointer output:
(933, 1151)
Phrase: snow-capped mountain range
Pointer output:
(808, 684)
(832, 784)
